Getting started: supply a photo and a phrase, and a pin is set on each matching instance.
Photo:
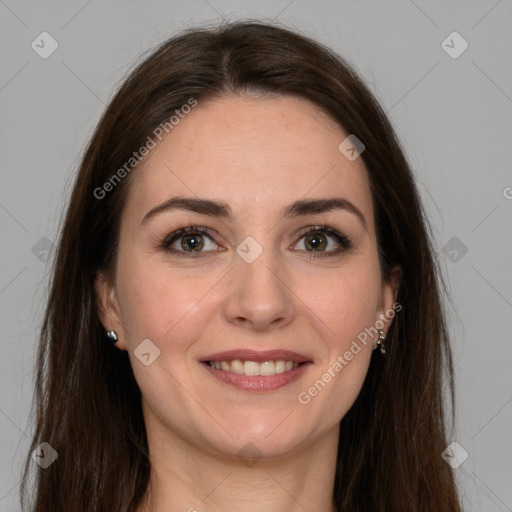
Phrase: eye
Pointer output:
(317, 239)
(190, 241)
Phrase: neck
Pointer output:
(185, 477)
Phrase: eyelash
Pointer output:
(340, 238)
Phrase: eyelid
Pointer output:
(326, 229)
(343, 240)
(187, 230)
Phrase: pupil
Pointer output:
(315, 241)
(193, 241)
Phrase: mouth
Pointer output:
(256, 371)
(253, 368)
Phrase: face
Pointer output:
(249, 277)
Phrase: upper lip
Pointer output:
(257, 356)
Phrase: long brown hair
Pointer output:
(87, 404)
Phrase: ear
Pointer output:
(108, 308)
(390, 288)
(388, 305)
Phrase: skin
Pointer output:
(258, 155)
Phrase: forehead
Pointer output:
(256, 154)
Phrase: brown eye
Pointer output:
(317, 240)
(189, 241)
(193, 242)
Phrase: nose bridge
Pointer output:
(257, 266)
(259, 293)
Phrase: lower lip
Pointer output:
(258, 382)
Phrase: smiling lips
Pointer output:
(265, 368)
(256, 371)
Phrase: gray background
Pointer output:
(454, 116)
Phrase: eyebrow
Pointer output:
(221, 209)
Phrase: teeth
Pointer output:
(267, 368)
(279, 366)
(236, 366)
(252, 368)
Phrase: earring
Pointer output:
(381, 340)
(112, 336)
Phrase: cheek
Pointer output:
(159, 304)
(349, 302)
(347, 306)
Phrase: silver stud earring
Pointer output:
(381, 340)
(112, 336)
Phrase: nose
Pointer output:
(259, 294)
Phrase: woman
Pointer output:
(245, 311)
